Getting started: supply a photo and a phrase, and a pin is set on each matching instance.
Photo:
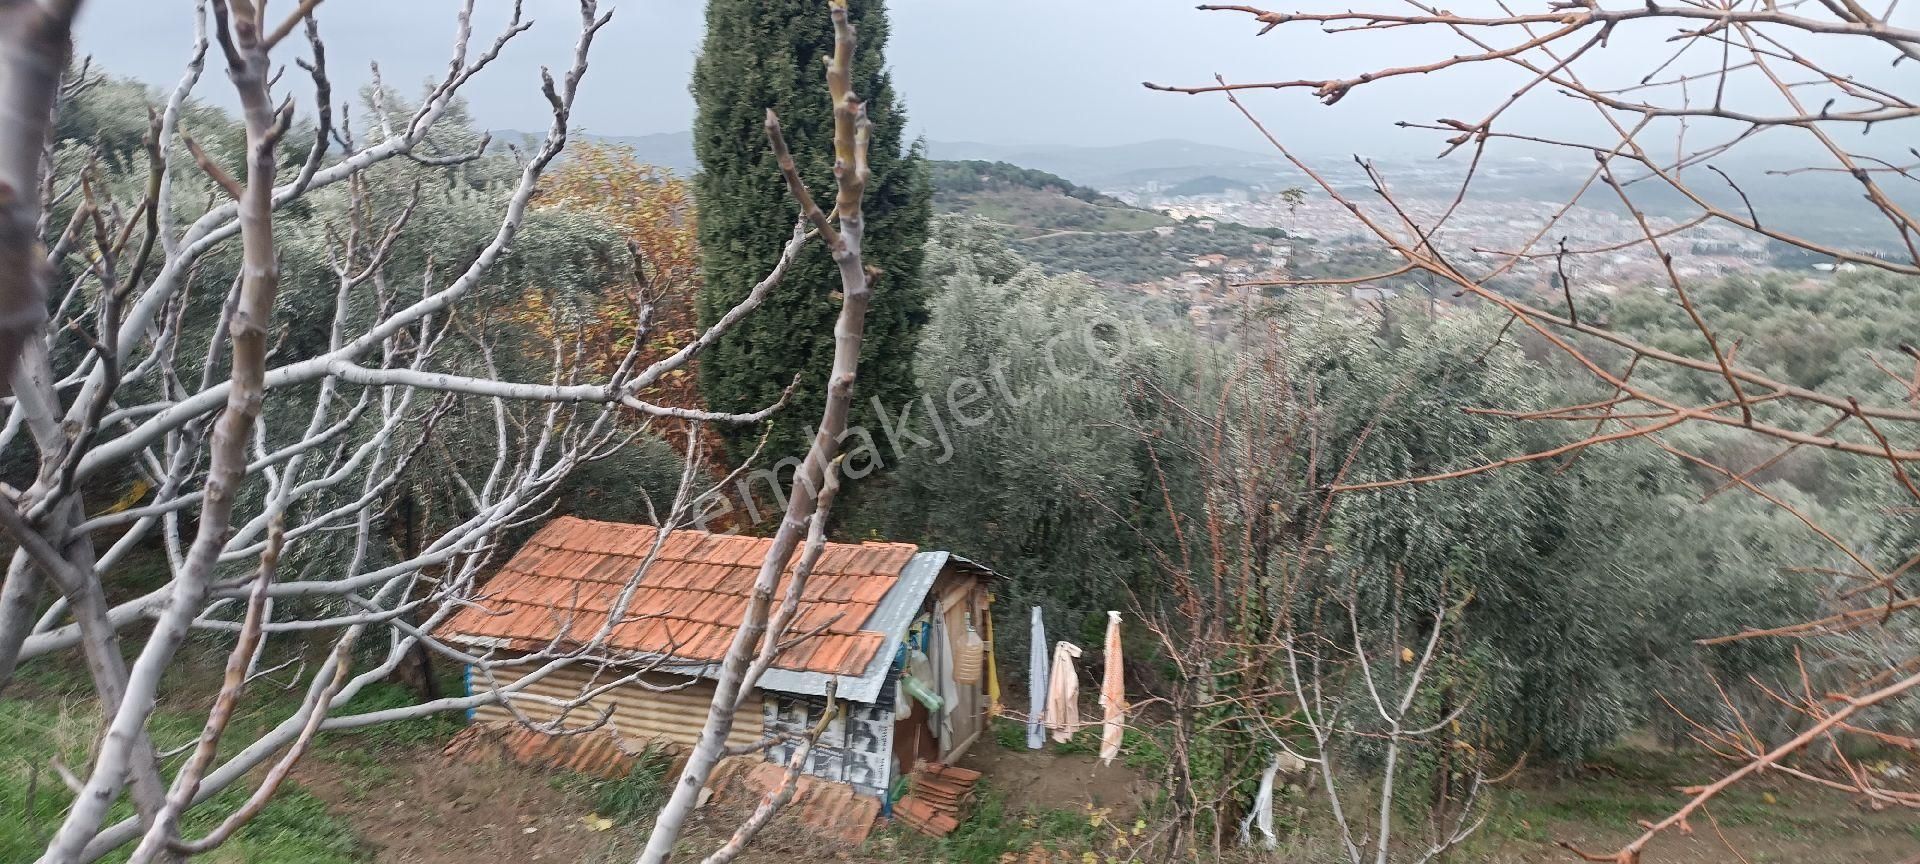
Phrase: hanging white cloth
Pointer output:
(1037, 685)
(1261, 816)
(1113, 695)
(1063, 692)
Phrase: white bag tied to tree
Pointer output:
(1261, 815)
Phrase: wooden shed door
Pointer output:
(969, 708)
(913, 739)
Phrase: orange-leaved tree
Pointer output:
(653, 211)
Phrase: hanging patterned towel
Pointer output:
(1113, 695)
(1063, 692)
(1037, 685)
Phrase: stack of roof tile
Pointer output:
(937, 798)
(825, 808)
(600, 753)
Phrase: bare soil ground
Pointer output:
(412, 807)
(1028, 780)
(1769, 820)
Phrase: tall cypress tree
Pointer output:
(762, 54)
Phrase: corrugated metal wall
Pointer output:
(639, 714)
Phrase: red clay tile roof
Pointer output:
(564, 582)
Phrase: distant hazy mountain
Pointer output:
(1107, 166)
(1825, 206)
(666, 149)
(1211, 184)
(671, 150)
(1111, 166)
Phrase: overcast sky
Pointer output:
(1048, 72)
(997, 71)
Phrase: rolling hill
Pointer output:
(1113, 166)
(1032, 203)
(1061, 223)
(1170, 160)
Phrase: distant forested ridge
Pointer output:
(977, 175)
(1067, 228)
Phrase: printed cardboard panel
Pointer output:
(856, 748)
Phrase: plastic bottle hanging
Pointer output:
(969, 656)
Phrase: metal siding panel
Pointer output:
(639, 714)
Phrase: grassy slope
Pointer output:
(1769, 821)
(52, 713)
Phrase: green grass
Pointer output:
(991, 832)
(1085, 741)
(295, 828)
(53, 713)
(1607, 803)
(1622, 788)
(632, 799)
(382, 695)
(1141, 750)
(1509, 818)
(1009, 734)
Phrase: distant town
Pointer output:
(1604, 250)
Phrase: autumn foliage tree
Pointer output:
(652, 210)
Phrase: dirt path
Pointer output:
(1046, 780)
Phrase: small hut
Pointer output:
(896, 629)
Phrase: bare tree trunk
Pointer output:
(35, 43)
(246, 43)
(407, 512)
(101, 399)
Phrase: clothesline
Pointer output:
(1078, 611)
(1053, 694)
